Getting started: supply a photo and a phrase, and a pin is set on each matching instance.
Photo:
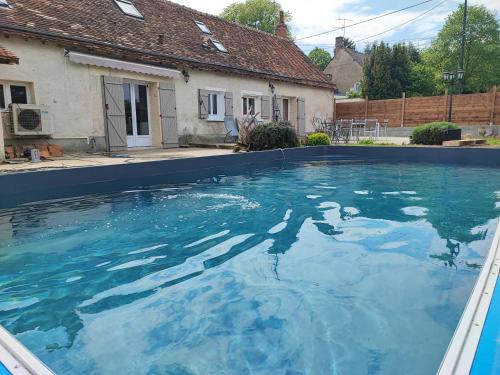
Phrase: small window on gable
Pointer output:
(220, 47)
(128, 8)
(204, 28)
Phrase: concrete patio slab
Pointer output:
(76, 160)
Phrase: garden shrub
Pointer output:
(272, 136)
(431, 134)
(318, 139)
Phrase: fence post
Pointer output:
(445, 113)
(492, 111)
(403, 109)
(366, 107)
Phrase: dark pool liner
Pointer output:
(25, 187)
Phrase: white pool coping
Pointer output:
(18, 359)
(460, 354)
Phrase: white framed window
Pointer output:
(216, 108)
(204, 28)
(13, 92)
(128, 8)
(249, 105)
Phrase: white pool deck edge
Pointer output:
(459, 357)
(18, 359)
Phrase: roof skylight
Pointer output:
(4, 3)
(127, 7)
(220, 47)
(204, 28)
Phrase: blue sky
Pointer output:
(315, 16)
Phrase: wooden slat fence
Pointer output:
(468, 109)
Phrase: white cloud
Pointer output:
(316, 16)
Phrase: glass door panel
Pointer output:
(137, 115)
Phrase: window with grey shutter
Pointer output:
(265, 107)
(279, 104)
(228, 103)
(301, 116)
(114, 108)
(168, 113)
(203, 103)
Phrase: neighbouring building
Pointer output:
(345, 68)
(114, 74)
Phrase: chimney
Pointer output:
(281, 29)
(339, 44)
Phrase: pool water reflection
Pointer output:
(311, 269)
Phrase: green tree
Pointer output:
(376, 82)
(320, 57)
(349, 43)
(259, 14)
(422, 81)
(482, 48)
(400, 70)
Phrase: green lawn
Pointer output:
(492, 141)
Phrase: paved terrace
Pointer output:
(74, 160)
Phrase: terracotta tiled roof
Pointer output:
(7, 57)
(167, 36)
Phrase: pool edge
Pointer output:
(460, 354)
(18, 359)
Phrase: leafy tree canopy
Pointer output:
(260, 14)
(482, 48)
(320, 57)
(390, 71)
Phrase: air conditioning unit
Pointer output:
(31, 119)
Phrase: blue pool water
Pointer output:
(314, 268)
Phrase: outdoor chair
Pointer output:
(345, 130)
(232, 129)
(371, 128)
(357, 127)
(383, 128)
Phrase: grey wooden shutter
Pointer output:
(203, 103)
(265, 107)
(228, 104)
(114, 108)
(301, 116)
(168, 114)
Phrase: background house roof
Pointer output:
(7, 57)
(167, 36)
(356, 56)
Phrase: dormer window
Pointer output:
(128, 8)
(204, 28)
(4, 3)
(220, 47)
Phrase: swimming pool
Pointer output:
(315, 268)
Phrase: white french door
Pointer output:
(137, 115)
